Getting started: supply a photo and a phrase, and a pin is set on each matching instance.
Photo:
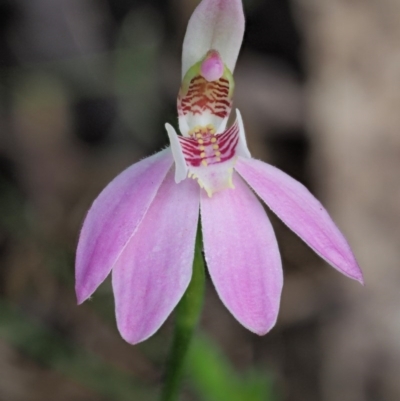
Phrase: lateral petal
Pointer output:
(155, 268)
(242, 256)
(242, 149)
(214, 25)
(301, 212)
(181, 169)
(113, 219)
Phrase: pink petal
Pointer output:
(214, 25)
(155, 268)
(302, 213)
(242, 255)
(113, 219)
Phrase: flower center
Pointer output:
(207, 146)
(205, 96)
(210, 157)
(207, 150)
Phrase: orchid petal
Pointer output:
(214, 25)
(242, 256)
(302, 213)
(153, 272)
(181, 169)
(242, 149)
(113, 219)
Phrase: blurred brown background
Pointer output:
(85, 89)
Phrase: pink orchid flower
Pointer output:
(142, 226)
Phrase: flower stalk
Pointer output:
(187, 316)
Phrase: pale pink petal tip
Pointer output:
(359, 274)
(212, 67)
(293, 203)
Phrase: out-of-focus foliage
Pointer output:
(216, 380)
(52, 351)
(208, 370)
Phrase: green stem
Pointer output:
(187, 316)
